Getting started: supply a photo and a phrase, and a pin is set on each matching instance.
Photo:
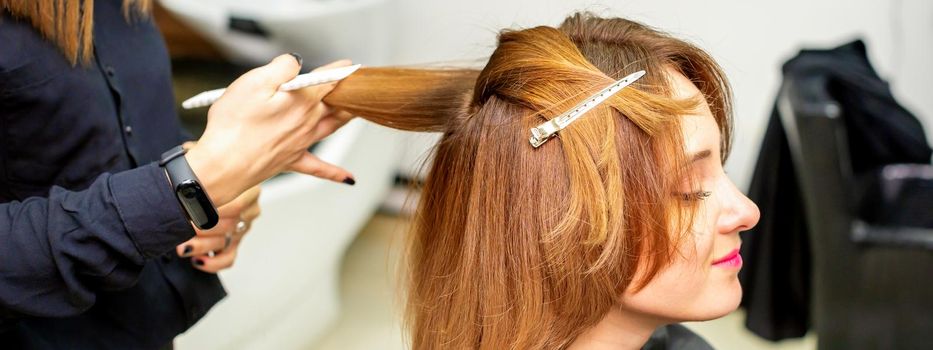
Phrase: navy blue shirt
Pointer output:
(88, 223)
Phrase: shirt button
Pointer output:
(110, 71)
(128, 129)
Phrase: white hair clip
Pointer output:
(549, 129)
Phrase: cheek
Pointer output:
(690, 289)
(675, 295)
(703, 229)
(719, 291)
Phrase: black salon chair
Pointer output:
(870, 234)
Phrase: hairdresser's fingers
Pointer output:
(314, 115)
(341, 115)
(224, 225)
(202, 245)
(247, 217)
(329, 124)
(186, 249)
(245, 200)
(317, 92)
(251, 213)
(334, 64)
(266, 78)
(314, 166)
(220, 261)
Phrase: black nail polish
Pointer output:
(199, 262)
(297, 57)
(187, 251)
(349, 181)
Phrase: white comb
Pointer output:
(302, 80)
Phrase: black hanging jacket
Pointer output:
(777, 272)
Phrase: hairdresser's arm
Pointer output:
(57, 252)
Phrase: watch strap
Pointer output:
(188, 190)
(171, 154)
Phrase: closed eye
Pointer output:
(694, 196)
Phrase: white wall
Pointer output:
(750, 39)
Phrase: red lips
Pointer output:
(733, 259)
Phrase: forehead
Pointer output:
(699, 128)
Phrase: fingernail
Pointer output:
(187, 251)
(199, 262)
(349, 181)
(297, 57)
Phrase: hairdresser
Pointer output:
(96, 249)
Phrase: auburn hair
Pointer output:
(517, 247)
(69, 24)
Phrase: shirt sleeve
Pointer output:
(57, 252)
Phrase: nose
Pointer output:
(738, 213)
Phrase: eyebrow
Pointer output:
(701, 155)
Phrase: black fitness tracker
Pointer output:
(197, 205)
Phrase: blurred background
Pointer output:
(319, 269)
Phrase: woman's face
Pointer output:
(702, 282)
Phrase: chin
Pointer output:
(725, 301)
(729, 300)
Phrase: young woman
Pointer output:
(623, 223)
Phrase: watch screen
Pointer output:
(194, 199)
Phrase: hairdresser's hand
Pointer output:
(255, 131)
(216, 249)
(335, 119)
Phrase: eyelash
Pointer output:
(695, 196)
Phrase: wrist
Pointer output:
(219, 182)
